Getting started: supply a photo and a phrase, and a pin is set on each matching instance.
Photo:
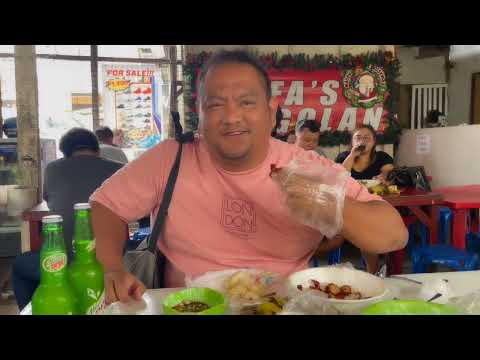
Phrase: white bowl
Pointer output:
(367, 284)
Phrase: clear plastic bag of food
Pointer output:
(243, 287)
(468, 304)
(314, 193)
(309, 303)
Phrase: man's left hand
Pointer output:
(314, 194)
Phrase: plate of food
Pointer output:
(369, 183)
(376, 187)
(242, 287)
(342, 287)
(382, 189)
(271, 306)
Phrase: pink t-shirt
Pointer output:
(217, 219)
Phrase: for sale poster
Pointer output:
(131, 92)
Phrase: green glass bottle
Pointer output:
(54, 295)
(86, 273)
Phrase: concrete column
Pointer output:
(27, 116)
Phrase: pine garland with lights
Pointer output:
(309, 63)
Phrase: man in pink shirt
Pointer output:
(226, 211)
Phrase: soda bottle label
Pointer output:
(84, 246)
(98, 305)
(54, 262)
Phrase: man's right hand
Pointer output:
(122, 286)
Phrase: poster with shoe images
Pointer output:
(130, 93)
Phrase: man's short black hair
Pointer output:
(78, 139)
(236, 57)
(104, 133)
(311, 125)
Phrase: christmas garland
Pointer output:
(309, 63)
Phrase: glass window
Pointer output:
(180, 52)
(79, 50)
(7, 83)
(7, 49)
(132, 51)
(64, 97)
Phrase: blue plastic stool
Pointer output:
(445, 255)
(442, 254)
(445, 219)
(141, 234)
(333, 258)
(472, 242)
(411, 238)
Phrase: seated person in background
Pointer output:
(68, 181)
(107, 149)
(365, 164)
(118, 137)
(308, 137)
(368, 163)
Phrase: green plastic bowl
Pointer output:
(409, 307)
(212, 298)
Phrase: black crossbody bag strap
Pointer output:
(167, 197)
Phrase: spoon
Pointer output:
(434, 297)
(406, 279)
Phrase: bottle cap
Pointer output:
(50, 219)
(82, 206)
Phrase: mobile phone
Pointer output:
(361, 147)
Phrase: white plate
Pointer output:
(216, 280)
(369, 183)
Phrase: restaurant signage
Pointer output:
(335, 99)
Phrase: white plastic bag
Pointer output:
(431, 288)
(468, 304)
(309, 303)
(314, 193)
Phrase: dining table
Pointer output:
(406, 286)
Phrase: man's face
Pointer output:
(307, 139)
(236, 118)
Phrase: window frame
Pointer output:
(172, 59)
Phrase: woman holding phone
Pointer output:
(365, 163)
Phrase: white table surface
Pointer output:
(461, 283)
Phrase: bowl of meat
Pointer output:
(346, 289)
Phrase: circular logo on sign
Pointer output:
(364, 87)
